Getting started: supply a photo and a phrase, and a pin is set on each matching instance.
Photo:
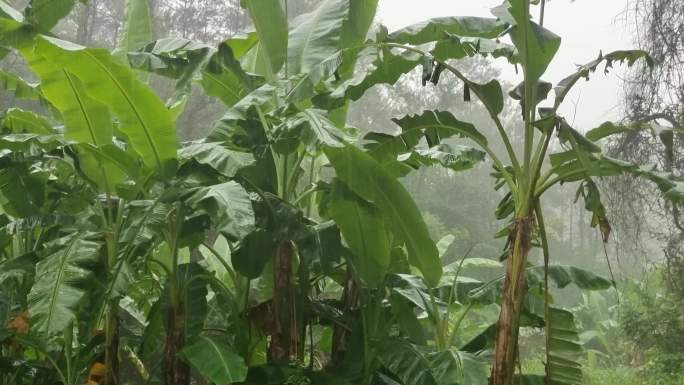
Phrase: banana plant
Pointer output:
(90, 91)
(527, 172)
(299, 206)
(268, 80)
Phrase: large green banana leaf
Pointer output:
(316, 36)
(354, 33)
(270, 21)
(215, 360)
(454, 367)
(563, 349)
(436, 29)
(561, 275)
(21, 194)
(363, 228)
(214, 154)
(367, 178)
(45, 14)
(26, 122)
(414, 366)
(229, 206)
(18, 86)
(54, 297)
(143, 117)
(138, 30)
(407, 362)
(86, 120)
(537, 46)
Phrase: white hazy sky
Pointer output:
(585, 26)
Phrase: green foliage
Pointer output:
(436, 29)
(283, 248)
(316, 36)
(652, 320)
(20, 87)
(563, 348)
(363, 228)
(138, 28)
(269, 53)
(229, 205)
(45, 14)
(144, 119)
(54, 297)
(628, 376)
(366, 177)
(215, 361)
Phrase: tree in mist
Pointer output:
(643, 216)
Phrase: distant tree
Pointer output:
(654, 96)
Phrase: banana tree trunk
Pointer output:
(112, 344)
(340, 335)
(285, 342)
(514, 290)
(177, 372)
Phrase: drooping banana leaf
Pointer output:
(414, 366)
(19, 87)
(54, 296)
(253, 253)
(458, 47)
(20, 121)
(457, 159)
(436, 29)
(452, 367)
(175, 58)
(367, 178)
(31, 143)
(45, 14)
(194, 282)
(316, 35)
(406, 362)
(564, 86)
(585, 159)
(389, 64)
(363, 228)
(561, 275)
(214, 154)
(314, 127)
(536, 45)
(144, 119)
(387, 67)
(215, 360)
(21, 194)
(224, 78)
(432, 126)
(229, 206)
(86, 119)
(563, 349)
(145, 221)
(18, 267)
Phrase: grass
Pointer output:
(619, 375)
(628, 376)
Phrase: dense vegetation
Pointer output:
(284, 245)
